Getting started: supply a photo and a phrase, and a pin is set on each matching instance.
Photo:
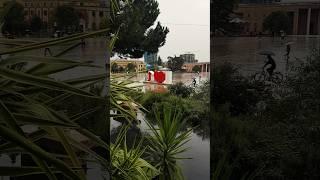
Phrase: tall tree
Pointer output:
(159, 62)
(136, 35)
(276, 22)
(14, 20)
(131, 67)
(36, 24)
(67, 18)
(196, 68)
(220, 14)
(175, 63)
(114, 67)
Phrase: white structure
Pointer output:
(150, 78)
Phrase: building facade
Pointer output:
(205, 66)
(189, 58)
(304, 16)
(91, 12)
(150, 58)
(140, 65)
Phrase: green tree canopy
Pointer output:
(136, 35)
(14, 20)
(196, 68)
(66, 18)
(175, 63)
(276, 22)
(131, 67)
(104, 23)
(114, 67)
(36, 24)
(220, 16)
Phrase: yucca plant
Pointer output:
(28, 96)
(167, 142)
(128, 163)
(124, 95)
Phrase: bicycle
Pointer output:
(263, 76)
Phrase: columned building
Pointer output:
(91, 12)
(188, 58)
(140, 65)
(204, 66)
(304, 16)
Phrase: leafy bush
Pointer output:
(239, 92)
(280, 141)
(180, 89)
(193, 110)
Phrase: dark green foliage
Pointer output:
(131, 67)
(175, 63)
(121, 69)
(180, 89)
(36, 24)
(167, 145)
(114, 68)
(67, 18)
(135, 36)
(194, 111)
(220, 14)
(276, 22)
(14, 20)
(196, 68)
(233, 89)
(280, 141)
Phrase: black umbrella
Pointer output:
(266, 53)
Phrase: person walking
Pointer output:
(282, 35)
(194, 82)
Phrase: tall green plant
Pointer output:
(167, 142)
(28, 97)
(127, 163)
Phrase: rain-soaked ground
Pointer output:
(244, 51)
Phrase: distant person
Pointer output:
(83, 43)
(194, 82)
(288, 49)
(287, 55)
(272, 35)
(282, 35)
(272, 67)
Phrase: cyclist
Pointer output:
(272, 67)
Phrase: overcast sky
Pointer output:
(189, 25)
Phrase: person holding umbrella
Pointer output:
(194, 82)
(272, 67)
